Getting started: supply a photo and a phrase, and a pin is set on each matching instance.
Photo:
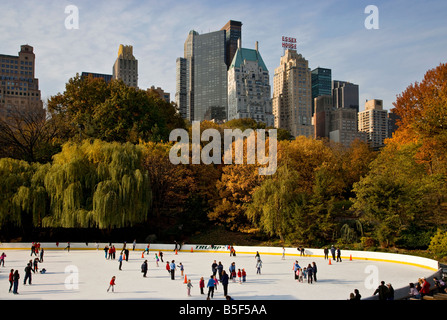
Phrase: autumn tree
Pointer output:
(92, 108)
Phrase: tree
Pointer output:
(92, 108)
(397, 193)
(422, 109)
(27, 134)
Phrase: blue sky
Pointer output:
(412, 37)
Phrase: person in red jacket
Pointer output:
(11, 279)
(425, 287)
(112, 284)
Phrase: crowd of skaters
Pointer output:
(219, 276)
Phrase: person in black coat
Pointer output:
(144, 268)
(28, 270)
(314, 271)
(225, 282)
(382, 290)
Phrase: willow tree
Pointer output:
(22, 198)
(97, 184)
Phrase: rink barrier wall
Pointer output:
(420, 262)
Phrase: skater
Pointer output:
(244, 275)
(147, 249)
(188, 287)
(232, 271)
(258, 266)
(112, 284)
(219, 270)
(15, 279)
(126, 253)
(120, 260)
(326, 253)
(239, 275)
(172, 267)
(106, 250)
(181, 268)
(295, 268)
(225, 282)
(67, 247)
(333, 252)
(134, 244)
(28, 270)
(144, 268)
(309, 274)
(338, 255)
(201, 285)
(35, 264)
(314, 271)
(283, 254)
(214, 268)
(257, 256)
(168, 267)
(41, 255)
(160, 254)
(2, 259)
(210, 286)
(11, 279)
(33, 249)
(156, 259)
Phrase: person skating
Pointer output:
(28, 270)
(210, 286)
(112, 284)
(144, 268)
(15, 279)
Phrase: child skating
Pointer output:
(188, 287)
(112, 284)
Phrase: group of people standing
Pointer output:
(308, 273)
(335, 252)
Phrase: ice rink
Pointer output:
(85, 275)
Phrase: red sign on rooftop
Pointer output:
(289, 43)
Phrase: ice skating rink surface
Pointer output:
(85, 275)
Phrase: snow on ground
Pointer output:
(85, 275)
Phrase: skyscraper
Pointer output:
(321, 83)
(19, 89)
(374, 122)
(292, 95)
(233, 34)
(201, 79)
(346, 95)
(126, 66)
(249, 87)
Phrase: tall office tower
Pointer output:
(292, 95)
(233, 33)
(374, 122)
(126, 66)
(346, 95)
(205, 77)
(249, 87)
(19, 89)
(322, 115)
(321, 83)
(180, 87)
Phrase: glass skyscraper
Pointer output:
(321, 84)
(201, 80)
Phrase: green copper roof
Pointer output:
(247, 54)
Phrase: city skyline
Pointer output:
(330, 34)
